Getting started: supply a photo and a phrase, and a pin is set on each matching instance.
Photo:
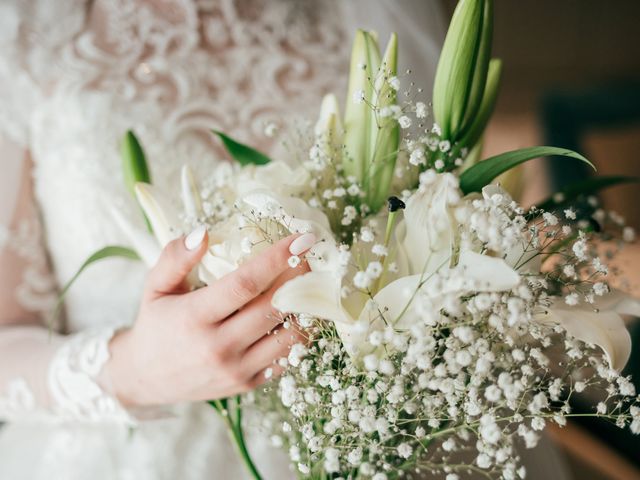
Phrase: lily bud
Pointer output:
(456, 88)
(329, 129)
(385, 132)
(359, 117)
(480, 70)
(155, 212)
(481, 119)
(190, 194)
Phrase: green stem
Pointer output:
(235, 431)
(391, 220)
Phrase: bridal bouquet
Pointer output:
(445, 322)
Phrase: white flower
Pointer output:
(550, 218)
(358, 96)
(421, 110)
(417, 157)
(425, 237)
(570, 213)
(404, 121)
(571, 299)
(294, 261)
(405, 450)
(394, 83)
(296, 354)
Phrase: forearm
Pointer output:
(58, 377)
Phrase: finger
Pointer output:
(264, 375)
(269, 349)
(176, 261)
(258, 318)
(231, 292)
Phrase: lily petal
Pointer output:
(314, 293)
(619, 302)
(142, 241)
(489, 274)
(393, 300)
(213, 267)
(606, 330)
(428, 225)
(296, 216)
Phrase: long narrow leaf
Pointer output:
(134, 162)
(484, 172)
(242, 153)
(106, 252)
(583, 187)
(134, 166)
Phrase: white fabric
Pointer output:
(74, 75)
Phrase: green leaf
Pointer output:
(106, 252)
(481, 174)
(242, 153)
(456, 65)
(480, 121)
(134, 166)
(134, 163)
(584, 187)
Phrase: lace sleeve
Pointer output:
(43, 374)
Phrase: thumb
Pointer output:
(176, 261)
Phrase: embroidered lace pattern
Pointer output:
(75, 75)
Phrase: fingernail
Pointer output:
(302, 243)
(194, 239)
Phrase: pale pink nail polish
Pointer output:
(302, 243)
(194, 239)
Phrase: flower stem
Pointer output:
(234, 427)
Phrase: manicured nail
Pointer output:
(194, 239)
(302, 243)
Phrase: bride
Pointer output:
(113, 392)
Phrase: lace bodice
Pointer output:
(74, 76)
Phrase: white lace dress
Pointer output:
(74, 76)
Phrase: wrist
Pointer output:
(119, 376)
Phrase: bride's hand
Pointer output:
(210, 343)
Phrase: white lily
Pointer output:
(233, 241)
(162, 216)
(298, 217)
(425, 238)
(602, 325)
(319, 294)
(144, 243)
(599, 325)
(426, 233)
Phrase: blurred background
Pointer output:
(572, 79)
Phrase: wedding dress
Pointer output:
(74, 76)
